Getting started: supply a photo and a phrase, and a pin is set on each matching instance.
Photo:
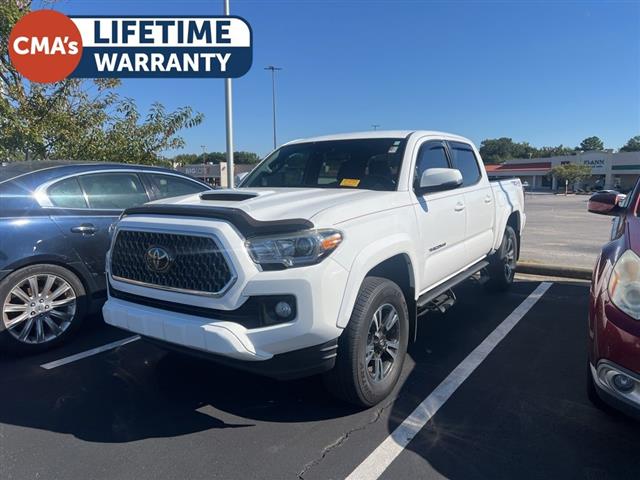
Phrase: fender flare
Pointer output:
(500, 229)
(369, 257)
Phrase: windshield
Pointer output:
(369, 164)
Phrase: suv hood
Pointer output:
(323, 206)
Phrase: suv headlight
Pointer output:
(624, 284)
(294, 250)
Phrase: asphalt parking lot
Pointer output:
(560, 231)
(500, 403)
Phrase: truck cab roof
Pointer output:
(380, 134)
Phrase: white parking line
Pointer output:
(376, 463)
(88, 353)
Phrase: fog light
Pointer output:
(623, 383)
(283, 309)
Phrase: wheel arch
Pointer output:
(394, 261)
(75, 267)
(514, 222)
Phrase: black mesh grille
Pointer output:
(196, 263)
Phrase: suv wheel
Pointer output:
(502, 264)
(372, 348)
(41, 306)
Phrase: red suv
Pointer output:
(614, 306)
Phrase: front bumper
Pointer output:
(285, 366)
(318, 292)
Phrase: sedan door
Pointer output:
(96, 201)
(441, 220)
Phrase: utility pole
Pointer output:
(375, 126)
(273, 98)
(228, 95)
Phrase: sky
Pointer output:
(545, 72)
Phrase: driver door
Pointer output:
(441, 218)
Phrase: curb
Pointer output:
(554, 270)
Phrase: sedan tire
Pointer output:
(41, 306)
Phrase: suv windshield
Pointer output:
(370, 164)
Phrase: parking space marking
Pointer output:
(88, 353)
(377, 462)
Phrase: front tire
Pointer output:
(372, 349)
(40, 307)
(502, 264)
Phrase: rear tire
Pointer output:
(372, 349)
(41, 306)
(502, 264)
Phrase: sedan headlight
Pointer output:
(294, 250)
(624, 284)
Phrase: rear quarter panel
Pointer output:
(509, 198)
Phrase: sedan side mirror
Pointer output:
(605, 203)
(439, 179)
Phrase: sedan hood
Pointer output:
(321, 205)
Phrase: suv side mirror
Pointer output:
(605, 203)
(439, 179)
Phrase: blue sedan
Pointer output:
(54, 233)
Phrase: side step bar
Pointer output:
(442, 289)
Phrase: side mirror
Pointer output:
(605, 203)
(439, 179)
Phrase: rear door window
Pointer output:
(465, 160)
(113, 191)
(173, 186)
(67, 194)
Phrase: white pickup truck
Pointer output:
(322, 262)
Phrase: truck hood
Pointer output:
(323, 206)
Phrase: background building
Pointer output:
(214, 173)
(608, 170)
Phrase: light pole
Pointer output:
(273, 98)
(228, 95)
(375, 126)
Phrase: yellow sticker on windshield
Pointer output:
(349, 182)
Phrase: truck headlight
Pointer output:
(295, 249)
(624, 284)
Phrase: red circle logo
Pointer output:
(45, 46)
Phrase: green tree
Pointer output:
(545, 152)
(632, 145)
(497, 150)
(572, 172)
(250, 158)
(590, 144)
(78, 119)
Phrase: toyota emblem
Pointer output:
(158, 259)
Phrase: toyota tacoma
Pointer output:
(322, 262)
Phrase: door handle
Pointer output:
(488, 199)
(85, 229)
(459, 207)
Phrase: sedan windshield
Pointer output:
(370, 164)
